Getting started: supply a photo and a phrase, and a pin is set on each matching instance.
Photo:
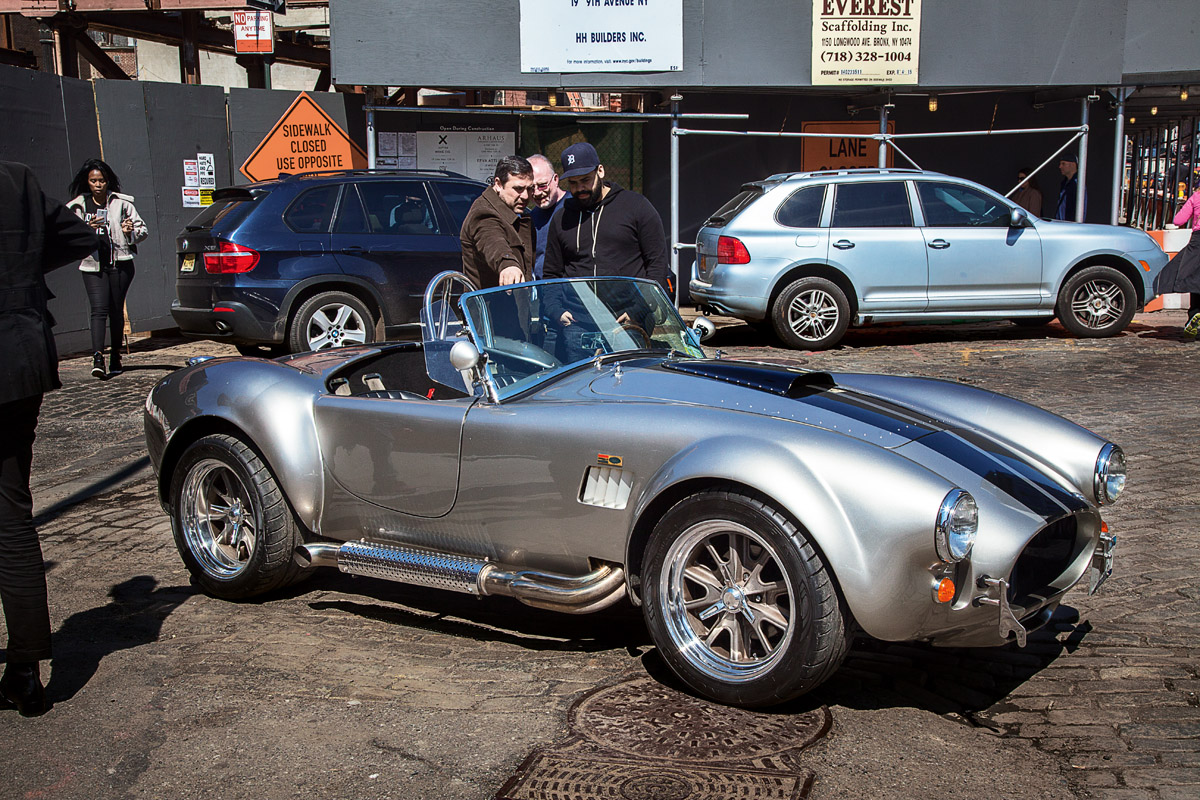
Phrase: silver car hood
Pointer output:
(958, 453)
(807, 397)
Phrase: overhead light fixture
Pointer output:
(933, 102)
(1153, 110)
(1183, 95)
(1132, 120)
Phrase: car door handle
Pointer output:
(353, 250)
(939, 244)
(843, 244)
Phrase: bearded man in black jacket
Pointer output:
(603, 229)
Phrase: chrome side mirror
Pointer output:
(464, 356)
(703, 328)
(1018, 219)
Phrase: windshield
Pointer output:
(531, 331)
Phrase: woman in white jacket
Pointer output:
(108, 272)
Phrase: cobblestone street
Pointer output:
(352, 687)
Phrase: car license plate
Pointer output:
(189, 263)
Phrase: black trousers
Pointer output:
(106, 292)
(22, 571)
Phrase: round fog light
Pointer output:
(957, 523)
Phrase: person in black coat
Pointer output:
(37, 234)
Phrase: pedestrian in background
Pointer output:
(37, 234)
(497, 234)
(1182, 273)
(1068, 165)
(548, 197)
(1028, 196)
(108, 272)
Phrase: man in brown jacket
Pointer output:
(497, 235)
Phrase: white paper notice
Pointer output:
(191, 175)
(207, 169)
(387, 144)
(442, 150)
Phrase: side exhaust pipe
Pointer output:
(569, 594)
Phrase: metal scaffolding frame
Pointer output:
(884, 138)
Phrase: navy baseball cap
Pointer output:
(579, 159)
(1074, 159)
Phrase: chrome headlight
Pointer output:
(957, 523)
(1109, 481)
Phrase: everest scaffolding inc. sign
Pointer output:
(865, 41)
(601, 35)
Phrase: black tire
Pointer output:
(800, 638)
(1096, 301)
(1032, 322)
(811, 314)
(233, 527)
(330, 319)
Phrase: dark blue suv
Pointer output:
(322, 260)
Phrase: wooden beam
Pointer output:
(189, 53)
(99, 59)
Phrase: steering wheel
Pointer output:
(637, 332)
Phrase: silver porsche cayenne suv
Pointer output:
(806, 255)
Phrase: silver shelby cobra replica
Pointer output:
(569, 444)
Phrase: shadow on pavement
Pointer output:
(904, 334)
(960, 682)
(133, 617)
(91, 490)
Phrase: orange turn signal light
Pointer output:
(1103, 526)
(945, 590)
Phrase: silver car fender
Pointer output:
(217, 395)
(869, 511)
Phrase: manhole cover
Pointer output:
(639, 740)
(555, 776)
(644, 718)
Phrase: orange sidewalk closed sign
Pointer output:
(305, 139)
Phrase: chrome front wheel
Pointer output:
(728, 600)
(740, 605)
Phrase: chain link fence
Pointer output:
(619, 145)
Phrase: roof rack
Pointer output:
(377, 171)
(861, 171)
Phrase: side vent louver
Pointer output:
(607, 487)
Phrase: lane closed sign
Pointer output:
(305, 139)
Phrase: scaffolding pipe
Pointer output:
(675, 98)
(1118, 155)
(1081, 173)
(370, 138)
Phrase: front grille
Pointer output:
(1043, 560)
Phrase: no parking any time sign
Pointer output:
(305, 139)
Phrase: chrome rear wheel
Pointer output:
(233, 527)
(218, 519)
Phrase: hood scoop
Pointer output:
(764, 377)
